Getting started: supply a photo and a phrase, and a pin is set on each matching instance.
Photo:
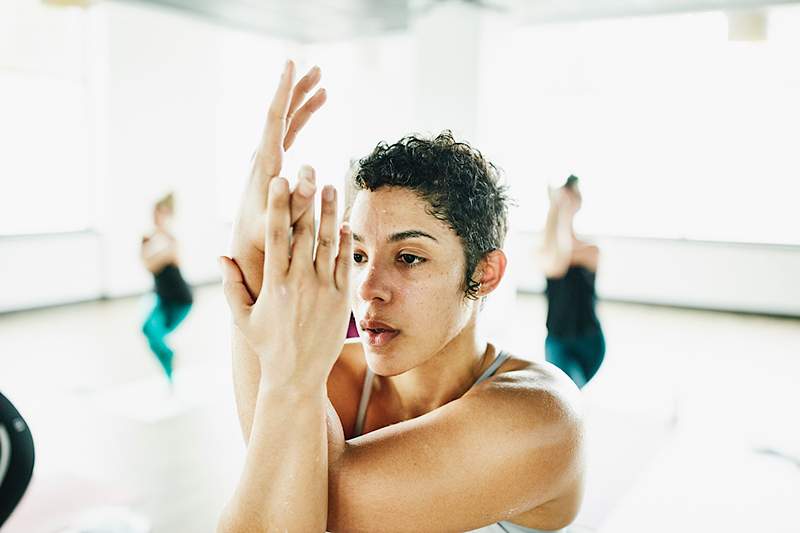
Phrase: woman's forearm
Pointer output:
(556, 251)
(550, 232)
(563, 234)
(288, 428)
(284, 484)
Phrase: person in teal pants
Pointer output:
(575, 341)
(173, 302)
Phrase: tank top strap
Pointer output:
(366, 390)
(497, 363)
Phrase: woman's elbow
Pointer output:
(554, 268)
(552, 265)
(555, 272)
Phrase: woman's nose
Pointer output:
(374, 285)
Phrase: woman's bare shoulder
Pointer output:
(538, 387)
(534, 374)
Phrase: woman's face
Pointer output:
(408, 275)
(161, 216)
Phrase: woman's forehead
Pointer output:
(390, 210)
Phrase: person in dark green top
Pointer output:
(575, 341)
(159, 254)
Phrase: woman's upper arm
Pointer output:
(497, 452)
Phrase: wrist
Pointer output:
(293, 390)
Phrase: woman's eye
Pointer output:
(411, 259)
(357, 257)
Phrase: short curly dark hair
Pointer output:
(461, 188)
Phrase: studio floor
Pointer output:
(692, 420)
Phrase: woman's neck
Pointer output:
(441, 379)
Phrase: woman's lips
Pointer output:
(380, 337)
(378, 333)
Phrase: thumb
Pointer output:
(236, 293)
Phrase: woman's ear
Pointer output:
(490, 271)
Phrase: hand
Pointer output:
(288, 113)
(297, 323)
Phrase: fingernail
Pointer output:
(307, 173)
(221, 265)
(305, 187)
(278, 185)
(345, 228)
(327, 193)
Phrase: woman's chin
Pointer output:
(385, 363)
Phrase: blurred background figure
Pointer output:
(575, 341)
(173, 297)
(16, 458)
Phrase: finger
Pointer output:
(302, 196)
(344, 261)
(302, 89)
(300, 118)
(236, 294)
(327, 239)
(303, 233)
(270, 152)
(276, 237)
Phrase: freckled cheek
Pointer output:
(422, 303)
(426, 305)
(418, 308)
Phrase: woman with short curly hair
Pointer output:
(422, 425)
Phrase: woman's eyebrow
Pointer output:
(401, 236)
(410, 234)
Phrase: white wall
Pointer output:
(162, 89)
(447, 41)
(734, 277)
(47, 270)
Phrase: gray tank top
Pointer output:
(499, 527)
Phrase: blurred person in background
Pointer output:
(16, 457)
(173, 296)
(575, 341)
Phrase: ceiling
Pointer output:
(325, 20)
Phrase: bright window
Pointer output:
(674, 130)
(45, 176)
